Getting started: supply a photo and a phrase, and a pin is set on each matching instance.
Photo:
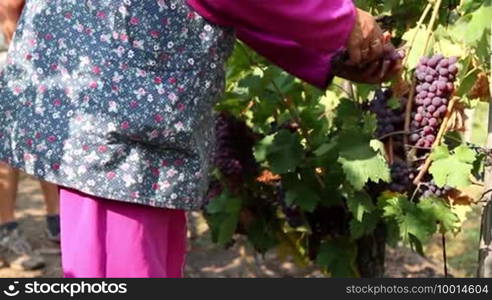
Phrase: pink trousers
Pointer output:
(104, 238)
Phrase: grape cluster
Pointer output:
(401, 177)
(430, 189)
(388, 59)
(215, 188)
(388, 119)
(292, 212)
(233, 154)
(435, 76)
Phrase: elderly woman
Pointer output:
(112, 100)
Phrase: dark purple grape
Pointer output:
(400, 173)
(430, 189)
(233, 154)
(293, 214)
(388, 119)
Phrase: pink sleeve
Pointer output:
(308, 64)
(318, 24)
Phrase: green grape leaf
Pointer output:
(325, 148)
(453, 139)
(452, 169)
(478, 25)
(285, 153)
(302, 195)
(366, 226)
(223, 216)
(370, 123)
(411, 220)
(360, 203)
(417, 50)
(467, 6)
(348, 115)
(364, 90)
(442, 212)
(261, 148)
(360, 162)
(466, 84)
(394, 103)
(474, 28)
(338, 256)
(261, 235)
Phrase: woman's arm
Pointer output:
(312, 66)
(323, 25)
(302, 36)
(10, 11)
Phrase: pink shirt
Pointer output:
(300, 36)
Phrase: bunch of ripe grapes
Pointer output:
(389, 119)
(435, 86)
(435, 76)
(401, 177)
(233, 154)
(430, 189)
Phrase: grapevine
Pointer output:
(331, 176)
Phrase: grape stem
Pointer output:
(399, 132)
(415, 192)
(444, 256)
(419, 24)
(391, 152)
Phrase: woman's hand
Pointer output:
(10, 11)
(366, 41)
(375, 72)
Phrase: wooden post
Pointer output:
(485, 251)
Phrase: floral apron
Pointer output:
(114, 98)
